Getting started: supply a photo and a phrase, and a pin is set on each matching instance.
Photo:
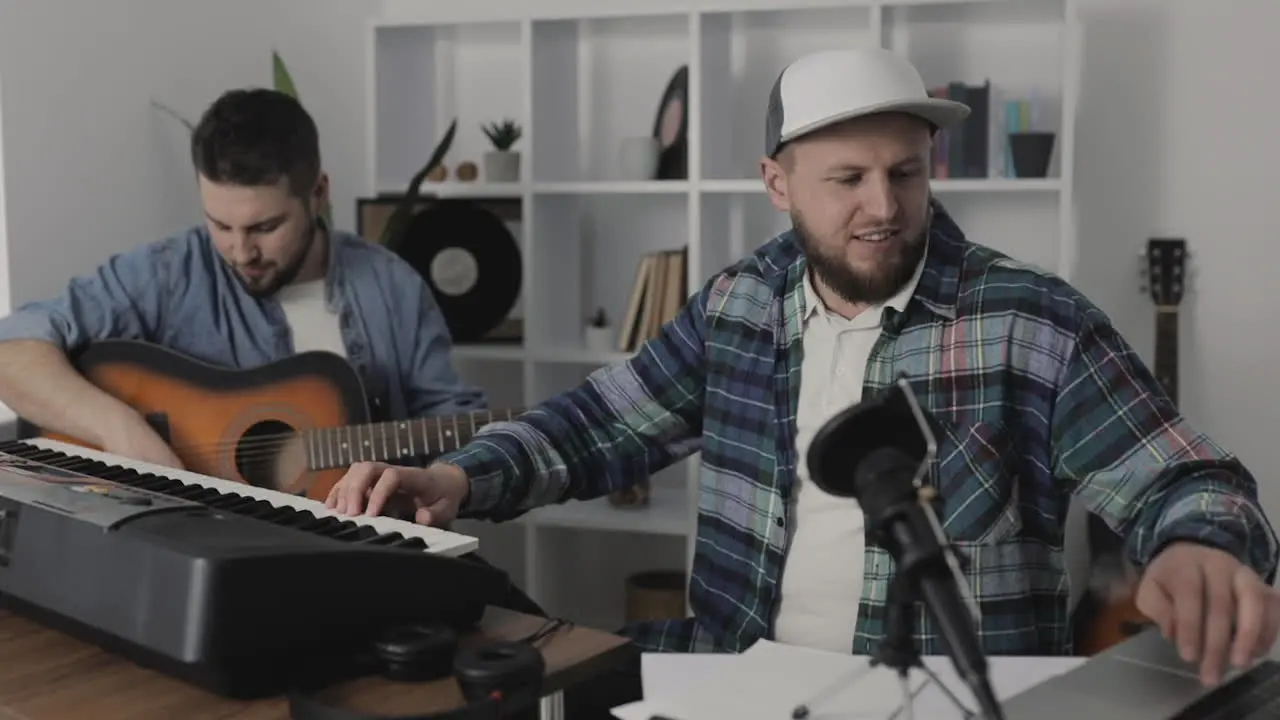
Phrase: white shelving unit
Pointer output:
(580, 77)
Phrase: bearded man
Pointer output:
(262, 278)
(1037, 397)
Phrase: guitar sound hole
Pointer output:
(258, 453)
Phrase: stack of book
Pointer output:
(660, 290)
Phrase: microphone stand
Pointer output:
(897, 650)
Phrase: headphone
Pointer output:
(497, 678)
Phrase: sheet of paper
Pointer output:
(766, 682)
(667, 675)
(770, 679)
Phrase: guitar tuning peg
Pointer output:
(1143, 288)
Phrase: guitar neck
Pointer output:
(1166, 356)
(396, 441)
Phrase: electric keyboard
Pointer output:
(434, 540)
(235, 588)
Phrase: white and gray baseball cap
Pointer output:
(830, 86)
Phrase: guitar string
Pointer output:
(432, 431)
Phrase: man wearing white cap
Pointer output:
(1036, 395)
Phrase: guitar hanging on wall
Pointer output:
(1112, 614)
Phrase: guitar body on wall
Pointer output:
(1111, 613)
(294, 425)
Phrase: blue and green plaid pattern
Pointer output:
(1037, 395)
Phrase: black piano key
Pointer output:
(390, 538)
(411, 543)
(348, 531)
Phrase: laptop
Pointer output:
(1143, 678)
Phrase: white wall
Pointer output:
(1176, 136)
(91, 168)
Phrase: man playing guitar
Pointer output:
(263, 278)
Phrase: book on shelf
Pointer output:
(660, 290)
(978, 147)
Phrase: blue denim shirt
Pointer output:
(179, 293)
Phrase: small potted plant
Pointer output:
(598, 336)
(502, 164)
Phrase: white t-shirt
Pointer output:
(822, 575)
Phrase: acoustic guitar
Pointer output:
(294, 425)
(1111, 613)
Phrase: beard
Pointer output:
(862, 287)
(287, 273)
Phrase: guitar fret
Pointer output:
(330, 436)
(392, 441)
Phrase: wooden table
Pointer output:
(46, 675)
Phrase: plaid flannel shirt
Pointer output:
(1037, 395)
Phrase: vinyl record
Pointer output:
(471, 262)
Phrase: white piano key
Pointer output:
(440, 542)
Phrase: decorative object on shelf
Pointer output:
(393, 232)
(636, 496)
(671, 128)
(372, 214)
(598, 335)
(471, 262)
(438, 174)
(502, 164)
(1031, 152)
(655, 595)
(638, 158)
(467, 171)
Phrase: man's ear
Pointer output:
(775, 183)
(320, 195)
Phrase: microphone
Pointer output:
(878, 453)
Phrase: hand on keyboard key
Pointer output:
(436, 492)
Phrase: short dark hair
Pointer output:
(256, 136)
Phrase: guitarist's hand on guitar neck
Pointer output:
(436, 492)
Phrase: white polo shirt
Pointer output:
(822, 574)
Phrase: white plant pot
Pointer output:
(638, 158)
(501, 166)
(598, 339)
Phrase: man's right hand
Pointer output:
(436, 491)
(134, 438)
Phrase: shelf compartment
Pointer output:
(585, 254)
(1000, 53)
(735, 225)
(1025, 227)
(507, 352)
(612, 187)
(939, 186)
(596, 82)
(427, 75)
(668, 513)
(742, 54)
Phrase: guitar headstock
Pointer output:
(1164, 270)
